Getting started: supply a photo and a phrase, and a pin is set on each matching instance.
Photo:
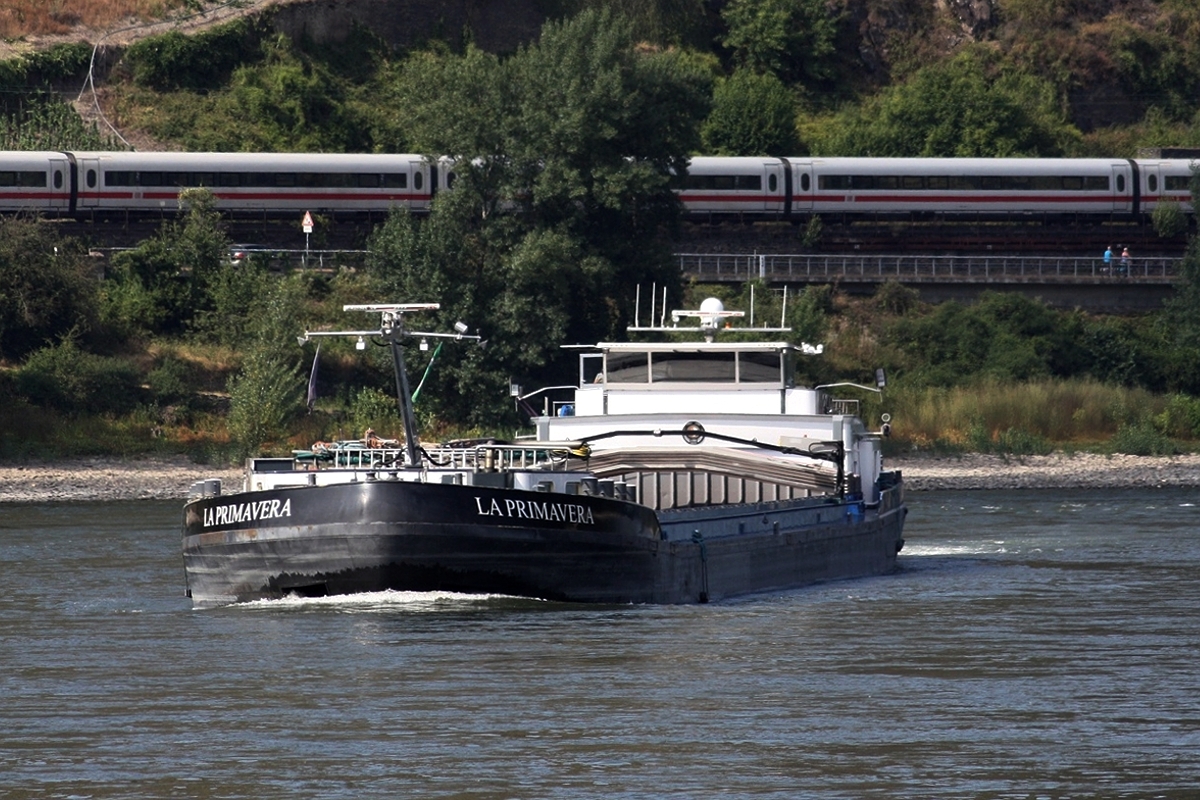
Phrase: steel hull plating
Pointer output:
(378, 535)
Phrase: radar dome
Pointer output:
(712, 305)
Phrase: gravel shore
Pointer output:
(170, 478)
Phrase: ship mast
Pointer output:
(392, 331)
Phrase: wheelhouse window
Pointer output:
(731, 367)
(628, 368)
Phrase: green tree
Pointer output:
(753, 115)
(963, 107)
(565, 156)
(165, 283)
(794, 40)
(266, 392)
(47, 287)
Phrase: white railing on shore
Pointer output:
(820, 268)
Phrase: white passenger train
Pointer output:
(84, 184)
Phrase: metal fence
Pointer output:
(830, 268)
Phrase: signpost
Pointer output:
(308, 228)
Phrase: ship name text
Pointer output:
(247, 512)
(535, 509)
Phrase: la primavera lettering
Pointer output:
(247, 512)
(535, 509)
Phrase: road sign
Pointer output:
(308, 223)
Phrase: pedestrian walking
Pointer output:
(1108, 256)
(1125, 261)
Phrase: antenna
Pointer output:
(392, 330)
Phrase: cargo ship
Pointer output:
(688, 468)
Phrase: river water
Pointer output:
(1035, 644)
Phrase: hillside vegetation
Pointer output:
(563, 208)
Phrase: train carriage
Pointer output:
(259, 182)
(756, 186)
(38, 182)
(1165, 180)
(962, 186)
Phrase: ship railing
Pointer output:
(847, 408)
(475, 457)
(504, 457)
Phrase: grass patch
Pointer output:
(1022, 419)
(38, 17)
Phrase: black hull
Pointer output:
(380, 535)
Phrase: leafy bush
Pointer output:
(966, 106)
(372, 408)
(1142, 439)
(1169, 219)
(170, 382)
(201, 61)
(1181, 417)
(67, 378)
(752, 115)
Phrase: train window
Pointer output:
(1096, 183)
(913, 182)
(1072, 183)
(964, 182)
(204, 179)
(992, 182)
(285, 179)
(119, 178)
(772, 184)
(885, 181)
(749, 183)
(450, 179)
(58, 179)
(396, 180)
(1019, 183)
(228, 179)
(1151, 181)
(369, 181)
(91, 179)
(418, 179)
(23, 178)
(724, 182)
(805, 182)
(937, 182)
(1175, 183)
(833, 181)
(862, 181)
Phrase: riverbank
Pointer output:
(168, 478)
